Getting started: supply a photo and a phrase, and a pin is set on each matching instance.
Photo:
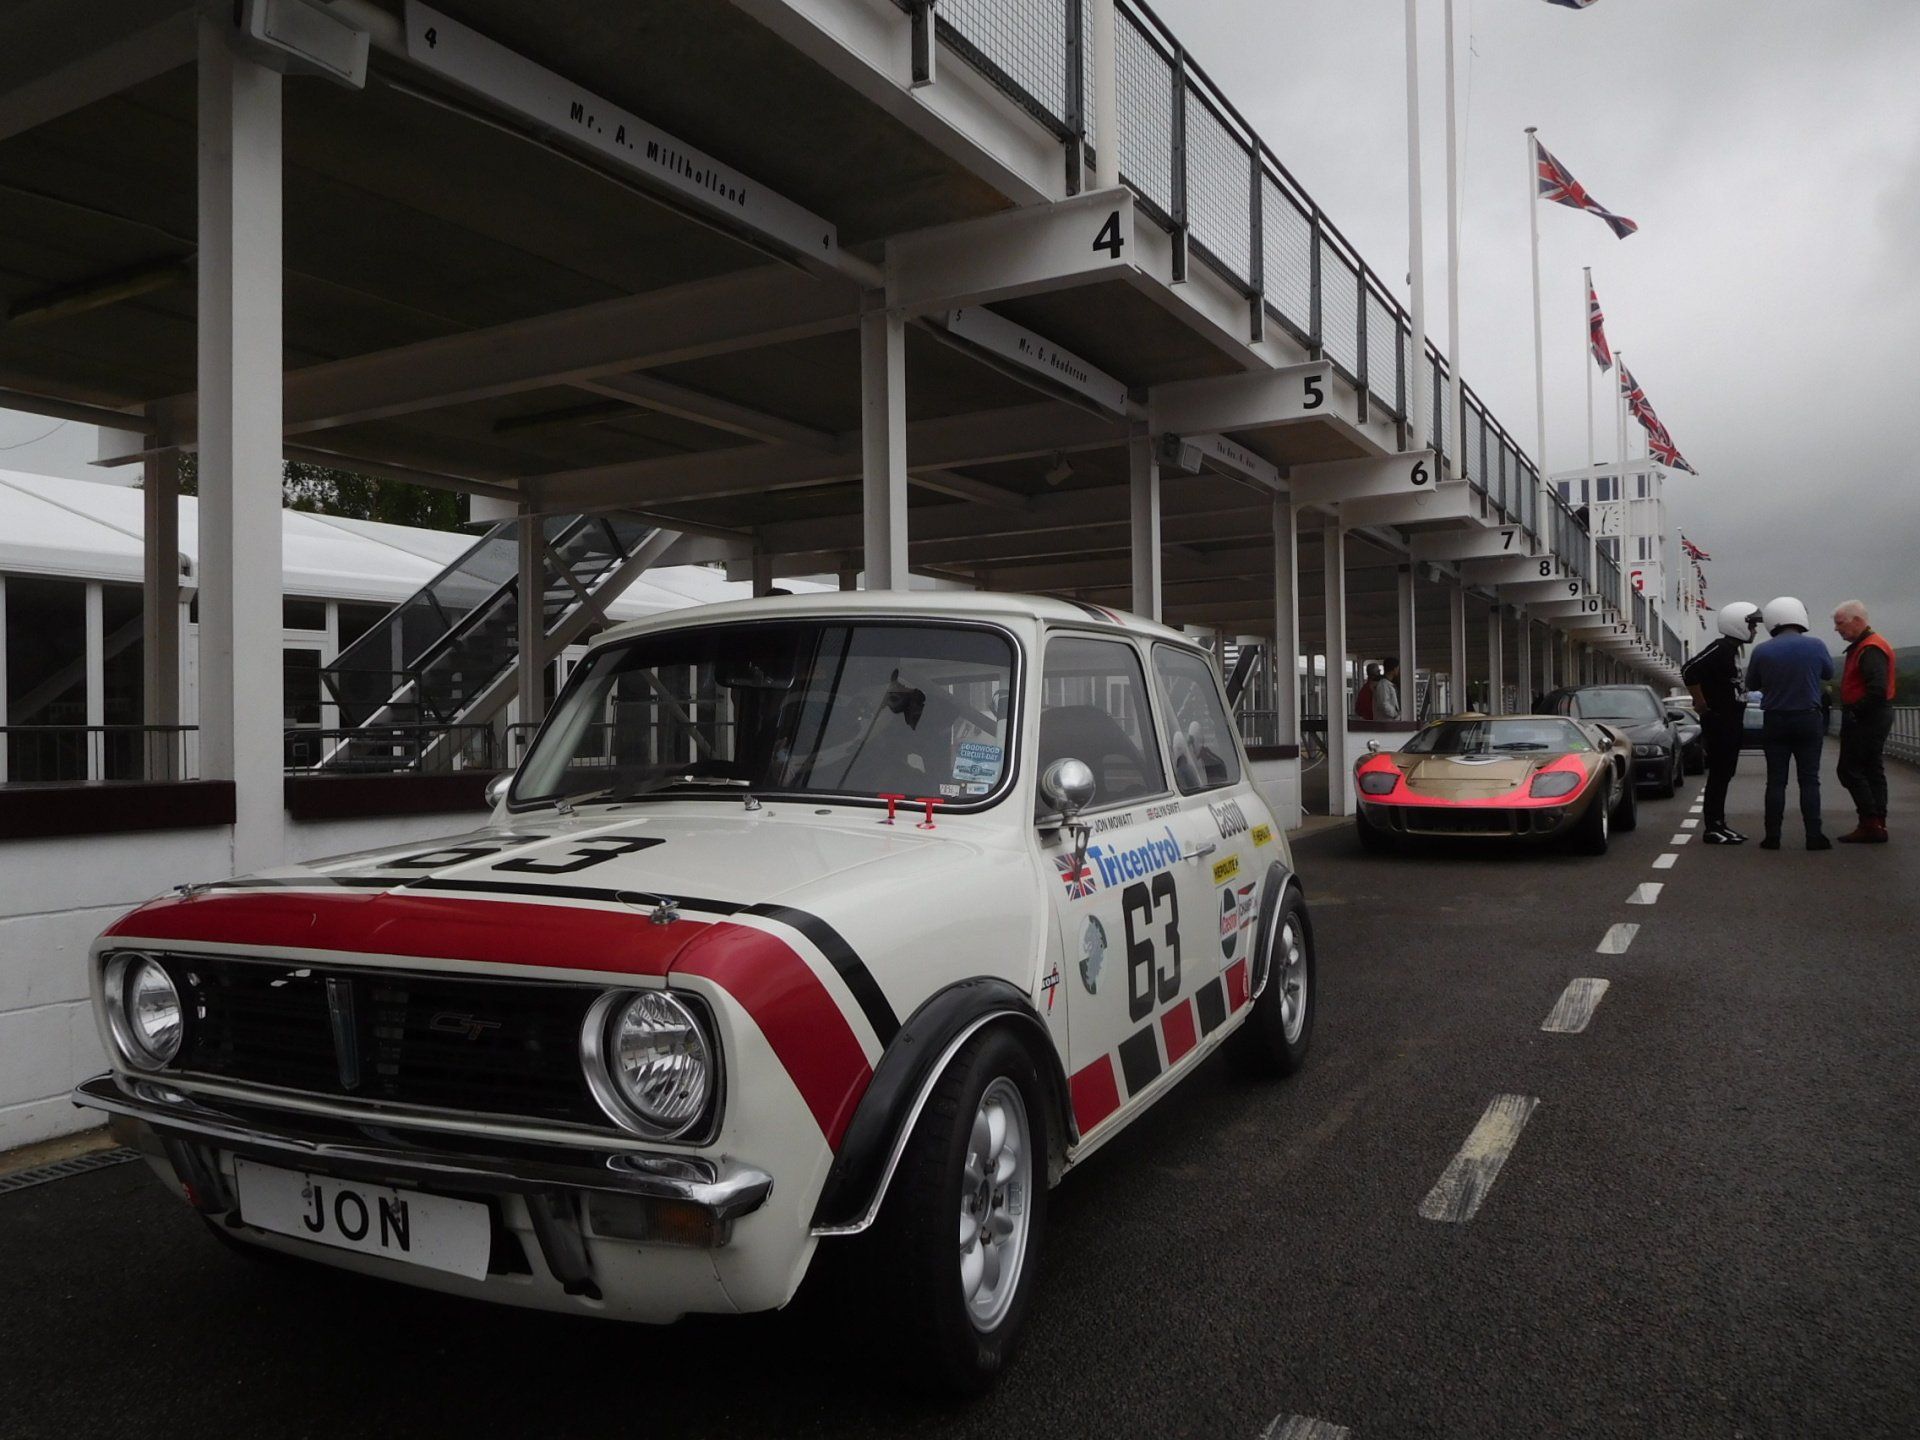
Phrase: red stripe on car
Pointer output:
(1236, 977)
(1177, 1026)
(778, 990)
(1096, 1094)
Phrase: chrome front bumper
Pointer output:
(723, 1191)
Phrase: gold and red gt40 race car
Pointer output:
(804, 917)
(1525, 777)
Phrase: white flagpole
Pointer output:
(1539, 351)
(1456, 411)
(1620, 483)
(1589, 364)
(1416, 256)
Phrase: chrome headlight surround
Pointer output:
(673, 1091)
(145, 1012)
(1646, 750)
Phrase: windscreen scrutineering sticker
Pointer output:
(977, 761)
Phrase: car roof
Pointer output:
(979, 605)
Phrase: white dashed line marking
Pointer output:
(1698, 806)
(1617, 938)
(1575, 1007)
(1302, 1427)
(1664, 862)
(1680, 839)
(1456, 1196)
(1689, 824)
(1645, 894)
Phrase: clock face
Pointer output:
(1609, 518)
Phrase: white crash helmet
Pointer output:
(1784, 610)
(1737, 621)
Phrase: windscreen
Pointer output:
(1530, 734)
(827, 708)
(1626, 703)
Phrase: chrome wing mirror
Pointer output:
(497, 788)
(1068, 787)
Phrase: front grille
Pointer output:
(1486, 820)
(501, 1047)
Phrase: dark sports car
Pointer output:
(1635, 712)
(1532, 777)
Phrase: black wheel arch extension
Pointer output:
(1273, 894)
(908, 1070)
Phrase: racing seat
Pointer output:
(1090, 734)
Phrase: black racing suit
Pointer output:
(1715, 672)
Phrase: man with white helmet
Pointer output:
(1713, 678)
(1788, 671)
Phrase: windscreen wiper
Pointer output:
(662, 782)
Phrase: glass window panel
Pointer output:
(1093, 708)
(1199, 734)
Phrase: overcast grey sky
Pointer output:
(1770, 150)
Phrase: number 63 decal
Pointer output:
(1147, 978)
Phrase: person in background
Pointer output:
(1386, 692)
(1867, 682)
(1364, 699)
(1713, 679)
(1787, 670)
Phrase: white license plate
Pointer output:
(430, 1230)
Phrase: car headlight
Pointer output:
(648, 1062)
(1379, 782)
(1649, 750)
(1551, 784)
(143, 1010)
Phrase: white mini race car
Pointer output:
(804, 917)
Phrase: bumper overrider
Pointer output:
(631, 1233)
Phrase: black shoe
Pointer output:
(1819, 842)
(1720, 835)
(1738, 838)
(1772, 842)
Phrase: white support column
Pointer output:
(1334, 573)
(1409, 645)
(531, 626)
(1286, 621)
(1102, 20)
(96, 678)
(1524, 681)
(1143, 470)
(1548, 667)
(160, 604)
(762, 574)
(240, 357)
(5, 759)
(1496, 662)
(1457, 636)
(883, 446)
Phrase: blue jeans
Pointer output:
(1796, 736)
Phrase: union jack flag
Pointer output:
(1694, 552)
(1077, 875)
(1596, 330)
(1558, 185)
(1659, 443)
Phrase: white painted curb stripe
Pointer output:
(1618, 938)
(1664, 862)
(1689, 824)
(1645, 894)
(1680, 839)
(1456, 1196)
(1575, 1007)
(1302, 1427)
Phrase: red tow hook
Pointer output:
(929, 801)
(892, 800)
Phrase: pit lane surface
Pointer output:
(1707, 1222)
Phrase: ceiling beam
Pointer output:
(648, 393)
(59, 65)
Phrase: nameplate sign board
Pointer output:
(1232, 458)
(565, 110)
(994, 334)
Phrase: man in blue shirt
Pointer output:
(1787, 671)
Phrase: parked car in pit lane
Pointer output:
(1652, 728)
(1524, 777)
(803, 917)
(1692, 735)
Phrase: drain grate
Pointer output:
(66, 1169)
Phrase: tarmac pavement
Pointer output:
(1706, 1223)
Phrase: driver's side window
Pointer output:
(1094, 708)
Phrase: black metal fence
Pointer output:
(40, 754)
(1201, 173)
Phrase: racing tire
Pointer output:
(1273, 1040)
(1591, 834)
(1626, 811)
(978, 1156)
(1373, 839)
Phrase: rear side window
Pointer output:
(1199, 734)
(1093, 708)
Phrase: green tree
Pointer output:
(321, 490)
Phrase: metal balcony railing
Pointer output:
(44, 754)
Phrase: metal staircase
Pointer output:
(420, 686)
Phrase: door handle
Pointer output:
(1204, 848)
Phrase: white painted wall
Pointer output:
(57, 895)
(1278, 783)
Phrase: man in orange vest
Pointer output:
(1866, 715)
